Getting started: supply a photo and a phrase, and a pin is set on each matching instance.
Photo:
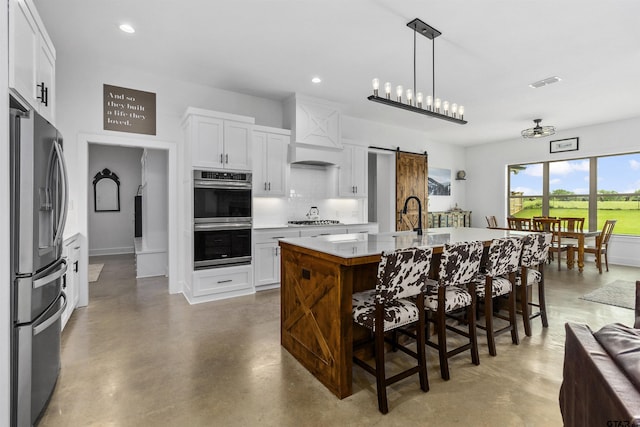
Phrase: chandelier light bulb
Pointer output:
(437, 105)
(376, 85)
(454, 109)
(409, 97)
(445, 106)
(429, 102)
(399, 93)
(387, 90)
(419, 99)
(461, 111)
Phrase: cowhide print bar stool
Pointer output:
(535, 252)
(402, 274)
(459, 265)
(497, 279)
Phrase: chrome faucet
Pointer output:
(404, 211)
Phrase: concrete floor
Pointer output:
(137, 356)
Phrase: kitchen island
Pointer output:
(318, 277)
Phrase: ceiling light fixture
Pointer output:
(538, 131)
(127, 28)
(316, 80)
(434, 106)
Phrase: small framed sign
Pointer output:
(560, 145)
(129, 110)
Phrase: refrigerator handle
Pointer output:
(50, 277)
(44, 325)
(65, 190)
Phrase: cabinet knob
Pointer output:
(226, 158)
(269, 186)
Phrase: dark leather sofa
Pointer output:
(601, 377)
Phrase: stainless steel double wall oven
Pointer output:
(222, 218)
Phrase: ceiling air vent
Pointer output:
(545, 82)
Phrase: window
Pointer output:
(569, 189)
(525, 194)
(618, 194)
(599, 188)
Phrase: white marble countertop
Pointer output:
(360, 244)
(340, 225)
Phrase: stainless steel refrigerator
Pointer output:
(38, 212)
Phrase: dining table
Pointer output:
(319, 276)
(580, 236)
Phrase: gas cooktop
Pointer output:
(315, 222)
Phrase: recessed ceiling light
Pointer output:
(316, 80)
(127, 28)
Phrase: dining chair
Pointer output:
(571, 224)
(601, 244)
(519, 223)
(402, 274)
(453, 291)
(498, 279)
(553, 226)
(492, 222)
(535, 251)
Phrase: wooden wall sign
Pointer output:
(129, 110)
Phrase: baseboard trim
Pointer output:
(111, 251)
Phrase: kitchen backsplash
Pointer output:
(309, 186)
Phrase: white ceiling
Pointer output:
(487, 55)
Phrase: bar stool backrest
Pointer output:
(535, 249)
(402, 273)
(459, 263)
(504, 256)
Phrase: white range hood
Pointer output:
(315, 130)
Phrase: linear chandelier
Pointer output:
(431, 106)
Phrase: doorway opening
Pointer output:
(171, 208)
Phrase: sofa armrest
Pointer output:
(594, 391)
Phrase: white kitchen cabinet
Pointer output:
(270, 166)
(352, 176)
(71, 281)
(218, 140)
(322, 231)
(218, 283)
(371, 227)
(267, 256)
(31, 59)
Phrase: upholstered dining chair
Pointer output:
(558, 246)
(519, 223)
(535, 251)
(601, 245)
(498, 279)
(459, 264)
(402, 274)
(492, 222)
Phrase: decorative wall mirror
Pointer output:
(106, 191)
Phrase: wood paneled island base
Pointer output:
(316, 322)
(319, 276)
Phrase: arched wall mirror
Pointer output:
(106, 191)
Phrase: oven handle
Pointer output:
(200, 183)
(222, 226)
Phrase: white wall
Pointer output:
(441, 155)
(5, 299)
(112, 232)
(79, 108)
(487, 179)
(154, 201)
